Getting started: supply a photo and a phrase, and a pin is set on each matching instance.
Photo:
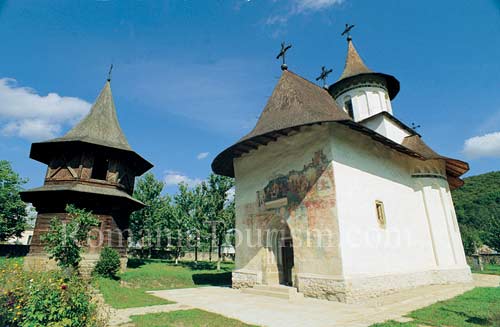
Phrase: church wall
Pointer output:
(388, 128)
(288, 181)
(366, 172)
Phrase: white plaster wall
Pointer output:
(254, 170)
(366, 171)
(388, 128)
(366, 101)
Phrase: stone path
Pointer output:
(121, 317)
(273, 312)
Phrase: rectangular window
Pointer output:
(379, 205)
(100, 169)
(348, 107)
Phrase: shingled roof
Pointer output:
(294, 102)
(454, 167)
(99, 128)
(354, 65)
(356, 70)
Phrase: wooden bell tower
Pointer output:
(92, 167)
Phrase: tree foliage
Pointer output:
(12, 208)
(64, 240)
(477, 205)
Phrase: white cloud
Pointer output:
(174, 178)
(296, 7)
(202, 155)
(313, 5)
(487, 145)
(26, 114)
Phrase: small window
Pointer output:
(100, 169)
(348, 106)
(29, 240)
(379, 205)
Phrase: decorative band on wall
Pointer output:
(428, 175)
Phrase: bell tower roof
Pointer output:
(99, 129)
(101, 125)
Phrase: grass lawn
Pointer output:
(149, 275)
(489, 269)
(4, 260)
(478, 307)
(183, 318)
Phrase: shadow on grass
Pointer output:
(217, 279)
(470, 319)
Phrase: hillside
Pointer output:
(477, 204)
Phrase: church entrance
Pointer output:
(285, 257)
(287, 264)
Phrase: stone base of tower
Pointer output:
(354, 290)
(41, 262)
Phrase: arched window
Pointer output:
(348, 106)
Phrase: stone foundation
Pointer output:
(354, 290)
(41, 262)
(243, 278)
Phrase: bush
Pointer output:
(52, 299)
(108, 264)
(64, 241)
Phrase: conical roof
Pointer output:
(99, 128)
(355, 70)
(354, 65)
(101, 125)
(294, 102)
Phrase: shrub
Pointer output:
(36, 299)
(108, 264)
(64, 241)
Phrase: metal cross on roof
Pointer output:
(347, 31)
(324, 75)
(109, 73)
(415, 126)
(284, 49)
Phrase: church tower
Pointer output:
(92, 167)
(366, 96)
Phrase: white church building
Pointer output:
(338, 199)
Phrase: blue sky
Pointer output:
(191, 77)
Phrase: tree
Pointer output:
(12, 208)
(220, 211)
(64, 240)
(179, 220)
(477, 205)
(145, 224)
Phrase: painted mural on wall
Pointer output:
(304, 200)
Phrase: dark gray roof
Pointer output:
(355, 69)
(294, 102)
(100, 126)
(82, 188)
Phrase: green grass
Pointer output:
(149, 275)
(478, 307)
(4, 260)
(489, 269)
(183, 318)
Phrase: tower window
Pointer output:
(348, 106)
(100, 169)
(379, 205)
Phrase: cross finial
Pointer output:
(324, 75)
(347, 31)
(109, 72)
(415, 126)
(284, 49)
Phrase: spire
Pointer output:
(354, 65)
(101, 125)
